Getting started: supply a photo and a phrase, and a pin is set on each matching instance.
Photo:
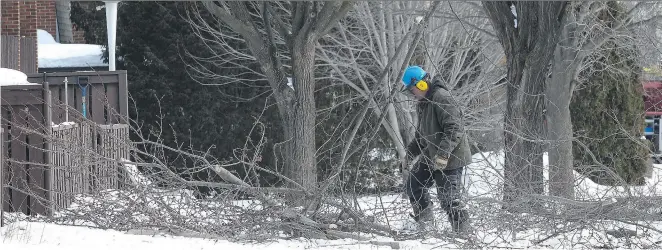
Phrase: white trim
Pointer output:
(111, 28)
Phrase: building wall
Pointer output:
(10, 18)
(27, 15)
(28, 24)
(79, 35)
(46, 17)
(28, 19)
(19, 30)
(20, 21)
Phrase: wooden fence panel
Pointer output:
(18, 155)
(97, 103)
(90, 158)
(104, 166)
(107, 94)
(28, 55)
(112, 92)
(97, 170)
(113, 146)
(40, 174)
(123, 110)
(57, 155)
(35, 156)
(10, 51)
(58, 104)
(4, 183)
(69, 172)
(74, 103)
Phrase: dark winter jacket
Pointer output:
(440, 129)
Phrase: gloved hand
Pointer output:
(440, 162)
(405, 162)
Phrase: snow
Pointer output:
(9, 77)
(34, 235)
(56, 55)
(43, 37)
(483, 180)
(381, 154)
(289, 82)
(514, 11)
(136, 175)
(63, 124)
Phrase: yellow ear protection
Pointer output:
(422, 85)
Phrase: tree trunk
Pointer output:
(523, 123)
(300, 117)
(295, 105)
(528, 46)
(64, 26)
(559, 123)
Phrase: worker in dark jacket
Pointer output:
(444, 150)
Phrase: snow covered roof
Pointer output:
(56, 55)
(10, 77)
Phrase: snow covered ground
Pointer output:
(483, 181)
(55, 237)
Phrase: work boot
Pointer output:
(462, 227)
(460, 223)
(424, 218)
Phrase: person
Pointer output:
(444, 150)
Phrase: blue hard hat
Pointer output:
(413, 72)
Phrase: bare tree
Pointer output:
(299, 25)
(584, 32)
(376, 38)
(528, 32)
(388, 40)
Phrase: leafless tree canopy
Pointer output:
(512, 66)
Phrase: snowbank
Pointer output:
(55, 55)
(10, 77)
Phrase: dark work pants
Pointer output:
(449, 189)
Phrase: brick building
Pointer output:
(41, 14)
(20, 20)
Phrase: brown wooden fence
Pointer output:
(24, 176)
(59, 141)
(105, 95)
(10, 52)
(19, 53)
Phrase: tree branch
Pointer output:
(324, 15)
(234, 23)
(342, 11)
(653, 19)
(502, 22)
(273, 50)
(282, 27)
